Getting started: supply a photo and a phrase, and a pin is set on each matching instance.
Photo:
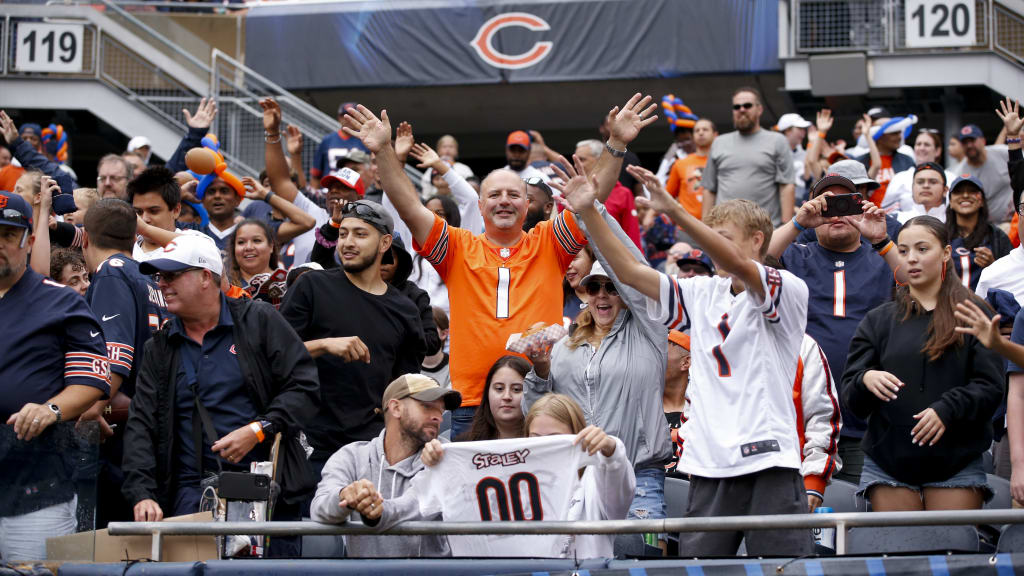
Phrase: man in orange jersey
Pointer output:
(504, 280)
(684, 178)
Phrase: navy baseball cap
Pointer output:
(932, 166)
(698, 256)
(970, 131)
(14, 211)
(966, 178)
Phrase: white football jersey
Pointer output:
(529, 479)
(744, 358)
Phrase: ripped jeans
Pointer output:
(649, 498)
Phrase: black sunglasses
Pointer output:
(539, 183)
(169, 277)
(359, 209)
(929, 131)
(594, 286)
(15, 217)
(744, 106)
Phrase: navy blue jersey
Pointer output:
(842, 288)
(44, 321)
(333, 147)
(963, 262)
(130, 309)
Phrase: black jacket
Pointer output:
(282, 382)
(964, 387)
(1015, 165)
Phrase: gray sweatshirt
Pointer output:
(621, 384)
(363, 461)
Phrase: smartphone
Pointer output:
(243, 486)
(842, 205)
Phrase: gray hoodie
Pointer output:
(620, 385)
(362, 461)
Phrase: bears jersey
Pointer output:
(497, 291)
(130, 309)
(521, 479)
(744, 358)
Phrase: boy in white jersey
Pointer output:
(746, 327)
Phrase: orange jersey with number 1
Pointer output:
(495, 292)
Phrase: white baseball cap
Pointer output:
(138, 142)
(185, 251)
(791, 120)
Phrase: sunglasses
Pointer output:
(359, 210)
(595, 286)
(539, 183)
(169, 277)
(15, 217)
(929, 131)
(744, 106)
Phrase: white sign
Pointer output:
(939, 23)
(48, 47)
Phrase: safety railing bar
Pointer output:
(710, 524)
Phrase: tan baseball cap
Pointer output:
(420, 387)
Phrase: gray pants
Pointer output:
(771, 491)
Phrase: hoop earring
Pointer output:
(943, 269)
(896, 279)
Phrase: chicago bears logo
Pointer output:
(3, 201)
(483, 43)
(961, 251)
(232, 350)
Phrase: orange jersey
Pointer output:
(678, 185)
(883, 177)
(495, 292)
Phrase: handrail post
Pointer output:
(156, 553)
(840, 538)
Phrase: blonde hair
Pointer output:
(585, 327)
(85, 198)
(749, 217)
(557, 406)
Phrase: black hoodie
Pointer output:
(964, 386)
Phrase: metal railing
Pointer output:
(841, 522)
(1008, 33)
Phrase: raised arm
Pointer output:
(294, 145)
(40, 258)
(624, 126)
(876, 157)
(812, 166)
(375, 134)
(276, 165)
(579, 191)
(298, 220)
(725, 254)
(198, 126)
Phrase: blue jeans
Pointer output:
(649, 498)
(972, 476)
(462, 420)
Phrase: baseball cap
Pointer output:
(420, 387)
(963, 178)
(933, 166)
(345, 106)
(518, 138)
(353, 155)
(595, 271)
(878, 112)
(833, 179)
(678, 338)
(970, 131)
(347, 177)
(30, 127)
(855, 171)
(185, 251)
(370, 212)
(138, 142)
(791, 120)
(14, 211)
(698, 256)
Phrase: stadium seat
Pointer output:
(895, 539)
(840, 496)
(1011, 539)
(677, 496)
(1002, 499)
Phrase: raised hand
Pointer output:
(204, 116)
(977, 323)
(870, 224)
(427, 157)
(824, 120)
(294, 141)
(1009, 113)
(253, 189)
(375, 133)
(403, 140)
(625, 124)
(271, 116)
(8, 128)
(579, 190)
(660, 201)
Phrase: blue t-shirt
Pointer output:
(222, 392)
(130, 309)
(51, 340)
(842, 288)
(333, 147)
(1017, 337)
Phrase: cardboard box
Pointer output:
(109, 548)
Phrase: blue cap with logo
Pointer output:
(966, 178)
(970, 131)
(698, 256)
(14, 211)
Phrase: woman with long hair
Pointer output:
(573, 293)
(927, 391)
(975, 241)
(252, 261)
(500, 413)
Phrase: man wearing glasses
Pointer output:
(52, 368)
(750, 163)
(113, 173)
(233, 365)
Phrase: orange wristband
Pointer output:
(334, 224)
(822, 135)
(258, 430)
(887, 248)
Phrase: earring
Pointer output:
(943, 269)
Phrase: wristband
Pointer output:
(613, 151)
(267, 137)
(880, 244)
(269, 195)
(258, 430)
(797, 225)
(1013, 140)
(822, 135)
(888, 247)
(334, 224)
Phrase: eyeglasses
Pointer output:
(595, 286)
(101, 179)
(539, 183)
(168, 277)
(744, 106)
(359, 209)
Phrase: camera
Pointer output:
(842, 205)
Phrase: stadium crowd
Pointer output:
(771, 310)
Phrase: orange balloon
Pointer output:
(201, 160)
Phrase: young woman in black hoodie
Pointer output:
(927, 391)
